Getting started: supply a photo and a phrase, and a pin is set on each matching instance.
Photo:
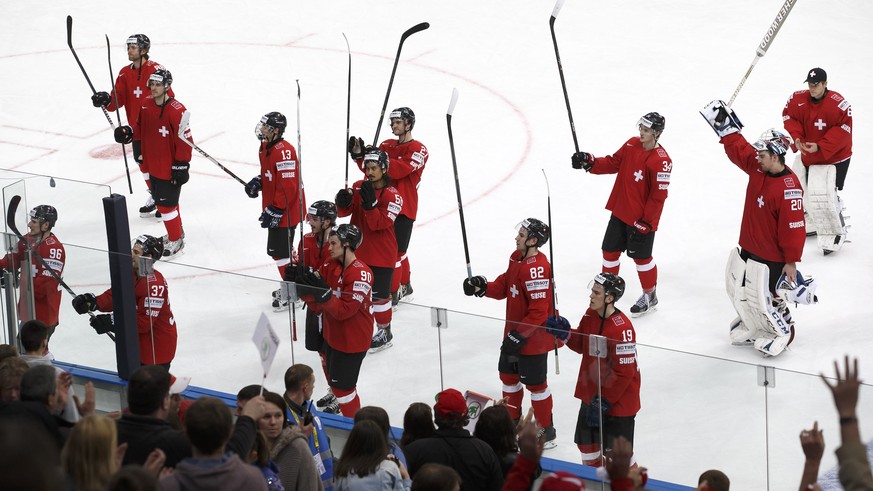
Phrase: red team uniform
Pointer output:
(155, 323)
(619, 374)
(280, 181)
(46, 289)
(132, 90)
(827, 123)
(527, 289)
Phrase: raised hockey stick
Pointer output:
(117, 112)
(769, 36)
(409, 32)
(558, 5)
(70, 44)
(552, 269)
(348, 109)
(10, 222)
(184, 128)
(457, 179)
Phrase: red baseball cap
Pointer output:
(450, 401)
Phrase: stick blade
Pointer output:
(184, 124)
(10, 212)
(452, 102)
(416, 28)
(557, 9)
(70, 30)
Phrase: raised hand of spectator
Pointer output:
(87, 407)
(254, 408)
(617, 459)
(530, 441)
(154, 463)
(845, 391)
(812, 442)
(119, 454)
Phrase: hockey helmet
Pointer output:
(45, 214)
(323, 209)
(536, 229)
(612, 284)
(773, 141)
(348, 233)
(654, 121)
(377, 155)
(162, 76)
(272, 120)
(140, 40)
(151, 246)
(403, 113)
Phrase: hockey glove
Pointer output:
(368, 196)
(271, 217)
(476, 285)
(596, 411)
(294, 272)
(582, 160)
(559, 327)
(253, 187)
(643, 227)
(100, 99)
(137, 151)
(343, 198)
(124, 134)
(721, 118)
(356, 147)
(179, 173)
(102, 323)
(311, 283)
(512, 343)
(84, 303)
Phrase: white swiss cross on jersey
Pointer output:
(638, 176)
(137, 92)
(163, 131)
(514, 291)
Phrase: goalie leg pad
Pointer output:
(743, 279)
(740, 334)
(771, 347)
(823, 204)
(800, 170)
(760, 301)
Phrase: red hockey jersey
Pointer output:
(132, 89)
(526, 286)
(379, 247)
(827, 123)
(640, 187)
(773, 227)
(347, 318)
(407, 161)
(280, 180)
(154, 318)
(313, 255)
(46, 289)
(158, 128)
(619, 373)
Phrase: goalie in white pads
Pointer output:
(772, 233)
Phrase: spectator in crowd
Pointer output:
(454, 446)
(299, 386)
(11, 371)
(30, 458)
(496, 428)
(245, 395)
(133, 478)
(530, 449)
(714, 480)
(436, 477)
(260, 458)
(380, 417)
(209, 426)
(288, 447)
(91, 455)
(365, 463)
(43, 396)
(7, 351)
(812, 443)
(417, 423)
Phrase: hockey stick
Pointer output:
(558, 5)
(769, 36)
(348, 108)
(552, 269)
(184, 128)
(457, 179)
(93, 90)
(10, 222)
(117, 112)
(409, 32)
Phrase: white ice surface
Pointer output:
(233, 61)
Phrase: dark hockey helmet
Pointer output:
(377, 155)
(612, 284)
(323, 209)
(535, 229)
(152, 247)
(45, 214)
(140, 40)
(272, 120)
(773, 141)
(348, 233)
(654, 121)
(162, 76)
(403, 113)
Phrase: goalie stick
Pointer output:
(558, 5)
(88, 79)
(348, 109)
(769, 36)
(457, 180)
(409, 32)
(118, 113)
(183, 128)
(10, 222)
(552, 268)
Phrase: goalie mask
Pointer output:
(773, 141)
(802, 291)
(272, 120)
(612, 285)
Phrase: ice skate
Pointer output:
(648, 302)
(149, 208)
(550, 437)
(326, 400)
(173, 249)
(381, 341)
